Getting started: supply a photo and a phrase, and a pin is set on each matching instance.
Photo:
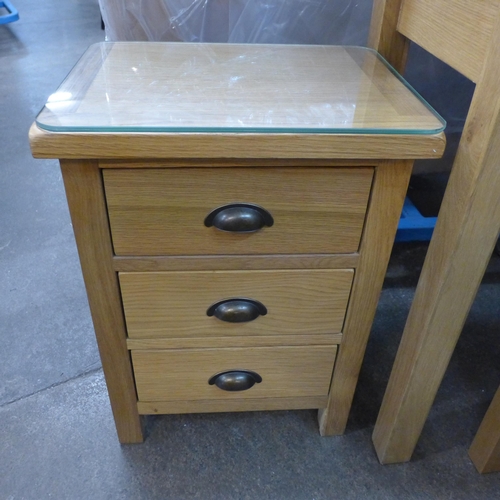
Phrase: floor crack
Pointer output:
(56, 384)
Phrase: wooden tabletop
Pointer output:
(235, 100)
(163, 87)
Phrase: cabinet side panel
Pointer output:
(83, 183)
(387, 197)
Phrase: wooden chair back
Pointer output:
(458, 32)
(466, 35)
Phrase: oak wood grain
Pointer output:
(84, 190)
(234, 162)
(175, 304)
(457, 32)
(384, 37)
(226, 87)
(485, 449)
(108, 145)
(465, 234)
(183, 374)
(297, 368)
(162, 211)
(218, 405)
(388, 193)
(235, 262)
(243, 341)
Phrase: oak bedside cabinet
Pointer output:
(234, 208)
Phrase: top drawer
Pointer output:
(162, 211)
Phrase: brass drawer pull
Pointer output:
(237, 310)
(235, 380)
(239, 218)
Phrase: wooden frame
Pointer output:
(372, 220)
(83, 182)
(85, 194)
(466, 230)
(388, 193)
(238, 146)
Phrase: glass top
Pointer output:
(191, 87)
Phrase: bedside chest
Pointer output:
(234, 208)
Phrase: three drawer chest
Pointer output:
(234, 208)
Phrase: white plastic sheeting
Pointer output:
(342, 22)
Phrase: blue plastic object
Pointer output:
(413, 226)
(12, 14)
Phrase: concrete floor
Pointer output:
(57, 437)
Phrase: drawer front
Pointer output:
(184, 374)
(175, 304)
(163, 211)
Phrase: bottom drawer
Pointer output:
(184, 374)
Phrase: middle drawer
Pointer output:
(178, 304)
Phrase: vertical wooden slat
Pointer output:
(388, 193)
(84, 190)
(466, 232)
(384, 37)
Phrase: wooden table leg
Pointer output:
(391, 181)
(466, 232)
(85, 193)
(485, 449)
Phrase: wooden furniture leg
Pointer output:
(84, 190)
(391, 181)
(466, 232)
(485, 449)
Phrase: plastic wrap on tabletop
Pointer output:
(238, 21)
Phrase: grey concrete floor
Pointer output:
(57, 437)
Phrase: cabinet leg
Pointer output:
(388, 194)
(85, 193)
